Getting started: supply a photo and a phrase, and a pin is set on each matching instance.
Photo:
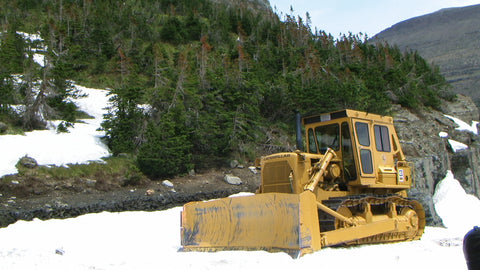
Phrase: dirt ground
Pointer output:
(26, 199)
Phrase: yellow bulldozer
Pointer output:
(348, 187)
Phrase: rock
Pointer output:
(232, 180)
(463, 108)
(167, 183)
(3, 128)
(422, 134)
(61, 205)
(465, 166)
(234, 163)
(28, 162)
(90, 182)
(150, 192)
(59, 251)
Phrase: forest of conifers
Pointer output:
(197, 81)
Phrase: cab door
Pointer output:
(364, 148)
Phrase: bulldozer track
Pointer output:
(379, 204)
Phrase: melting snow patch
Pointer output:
(464, 126)
(81, 145)
(31, 37)
(457, 146)
(39, 59)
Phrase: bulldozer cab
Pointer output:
(366, 147)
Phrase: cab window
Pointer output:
(328, 137)
(363, 136)
(347, 152)
(312, 146)
(362, 133)
(382, 138)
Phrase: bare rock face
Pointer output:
(427, 137)
(449, 39)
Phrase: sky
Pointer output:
(366, 16)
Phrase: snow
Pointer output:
(462, 126)
(151, 240)
(457, 146)
(443, 134)
(36, 41)
(31, 37)
(39, 59)
(81, 145)
(451, 203)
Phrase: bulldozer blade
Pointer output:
(271, 221)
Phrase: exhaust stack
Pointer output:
(298, 120)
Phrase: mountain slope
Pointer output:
(449, 39)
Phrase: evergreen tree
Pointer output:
(212, 73)
(124, 123)
(12, 52)
(167, 149)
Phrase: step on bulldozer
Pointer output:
(348, 187)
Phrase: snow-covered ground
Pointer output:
(82, 144)
(150, 240)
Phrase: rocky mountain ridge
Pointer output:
(449, 39)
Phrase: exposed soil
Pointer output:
(26, 199)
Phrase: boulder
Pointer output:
(28, 162)
(232, 180)
(234, 164)
(167, 183)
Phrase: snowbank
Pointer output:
(459, 211)
(151, 240)
(81, 145)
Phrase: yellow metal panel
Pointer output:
(276, 177)
(271, 221)
(309, 223)
(345, 235)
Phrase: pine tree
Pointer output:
(12, 52)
